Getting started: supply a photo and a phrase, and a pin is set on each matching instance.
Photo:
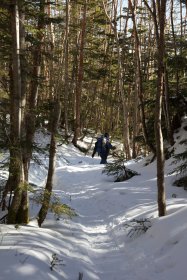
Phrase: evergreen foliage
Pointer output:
(56, 206)
(181, 161)
(118, 170)
(55, 261)
(49, 62)
(136, 227)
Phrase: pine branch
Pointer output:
(118, 170)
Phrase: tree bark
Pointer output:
(139, 80)
(80, 77)
(30, 118)
(52, 156)
(158, 111)
(66, 70)
(158, 13)
(113, 24)
(166, 108)
(16, 166)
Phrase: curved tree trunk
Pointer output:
(52, 156)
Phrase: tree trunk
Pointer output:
(158, 111)
(158, 13)
(80, 77)
(30, 118)
(66, 74)
(175, 47)
(23, 215)
(16, 166)
(52, 156)
(113, 25)
(166, 108)
(139, 81)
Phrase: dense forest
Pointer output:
(89, 66)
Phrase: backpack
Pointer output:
(99, 145)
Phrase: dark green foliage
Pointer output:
(140, 139)
(56, 20)
(118, 170)
(55, 206)
(178, 105)
(95, 73)
(177, 62)
(181, 169)
(182, 182)
(3, 220)
(4, 129)
(5, 36)
(137, 227)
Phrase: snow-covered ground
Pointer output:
(95, 244)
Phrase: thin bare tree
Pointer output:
(78, 90)
(158, 12)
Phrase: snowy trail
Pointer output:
(95, 242)
(97, 249)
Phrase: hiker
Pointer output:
(102, 147)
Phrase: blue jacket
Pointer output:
(102, 147)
